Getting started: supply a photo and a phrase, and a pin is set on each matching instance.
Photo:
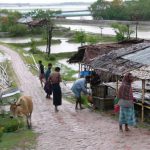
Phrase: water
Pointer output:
(64, 46)
(27, 8)
(90, 29)
(18, 39)
(143, 31)
(74, 66)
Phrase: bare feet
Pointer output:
(126, 128)
(76, 108)
(56, 109)
(82, 108)
(120, 128)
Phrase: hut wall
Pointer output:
(103, 97)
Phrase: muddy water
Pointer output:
(143, 31)
(64, 46)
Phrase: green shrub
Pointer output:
(92, 39)
(51, 58)
(11, 125)
(18, 30)
(122, 31)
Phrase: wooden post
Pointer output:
(143, 97)
(117, 85)
(49, 40)
(79, 69)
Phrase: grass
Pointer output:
(15, 134)
(23, 139)
(95, 38)
(54, 58)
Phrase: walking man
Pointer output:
(55, 78)
(41, 73)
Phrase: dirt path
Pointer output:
(69, 129)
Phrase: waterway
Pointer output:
(64, 46)
(142, 32)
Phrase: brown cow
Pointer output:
(23, 107)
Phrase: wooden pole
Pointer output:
(117, 85)
(79, 69)
(50, 40)
(143, 96)
(136, 29)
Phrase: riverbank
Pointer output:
(99, 22)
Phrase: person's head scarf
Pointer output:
(125, 90)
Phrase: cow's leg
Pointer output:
(28, 122)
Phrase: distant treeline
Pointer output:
(121, 10)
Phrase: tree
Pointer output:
(98, 9)
(48, 25)
(120, 9)
(18, 30)
(8, 19)
(122, 31)
(80, 36)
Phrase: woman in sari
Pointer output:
(125, 95)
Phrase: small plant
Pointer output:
(92, 39)
(51, 58)
(33, 48)
(80, 36)
(11, 125)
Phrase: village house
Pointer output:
(111, 62)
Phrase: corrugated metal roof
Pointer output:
(25, 20)
(115, 63)
(140, 56)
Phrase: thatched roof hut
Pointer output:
(88, 52)
(116, 60)
(109, 59)
(38, 23)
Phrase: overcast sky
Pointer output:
(43, 1)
